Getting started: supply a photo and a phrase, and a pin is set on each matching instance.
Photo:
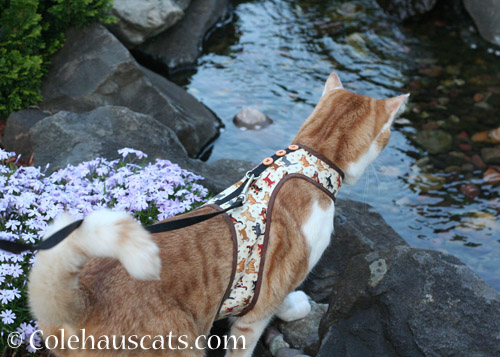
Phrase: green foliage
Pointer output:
(31, 31)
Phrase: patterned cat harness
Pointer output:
(250, 223)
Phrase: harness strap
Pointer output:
(52, 241)
(59, 236)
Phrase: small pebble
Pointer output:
(463, 135)
(478, 97)
(289, 352)
(422, 162)
(451, 169)
(277, 343)
(465, 147)
(467, 167)
(430, 125)
(492, 176)
(478, 162)
(470, 190)
(251, 118)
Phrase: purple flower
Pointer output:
(7, 316)
(125, 151)
(29, 200)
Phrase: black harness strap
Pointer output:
(188, 221)
(52, 241)
(59, 236)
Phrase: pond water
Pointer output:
(274, 55)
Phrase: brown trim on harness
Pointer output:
(323, 158)
(235, 251)
(268, 229)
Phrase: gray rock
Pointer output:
(16, 137)
(95, 69)
(303, 334)
(491, 155)
(222, 173)
(70, 138)
(434, 141)
(404, 9)
(486, 15)
(20, 138)
(276, 344)
(289, 352)
(251, 118)
(138, 20)
(181, 45)
(359, 229)
(410, 302)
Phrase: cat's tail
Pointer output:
(54, 294)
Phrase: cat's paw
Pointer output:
(295, 306)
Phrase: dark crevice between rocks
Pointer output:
(186, 70)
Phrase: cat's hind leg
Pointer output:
(295, 306)
(246, 331)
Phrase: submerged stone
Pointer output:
(434, 141)
(491, 155)
(251, 118)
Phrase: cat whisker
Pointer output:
(376, 175)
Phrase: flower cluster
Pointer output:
(29, 199)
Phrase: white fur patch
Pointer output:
(295, 306)
(318, 229)
(356, 169)
(107, 233)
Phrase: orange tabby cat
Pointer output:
(111, 277)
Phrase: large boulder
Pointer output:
(138, 20)
(17, 136)
(359, 229)
(486, 15)
(181, 45)
(404, 9)
(70, 138)
(410, 302)
(95, 69)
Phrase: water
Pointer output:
(275, 55)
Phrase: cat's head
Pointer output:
(349, 129)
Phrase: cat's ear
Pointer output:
(333, 82)
(395, 105)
